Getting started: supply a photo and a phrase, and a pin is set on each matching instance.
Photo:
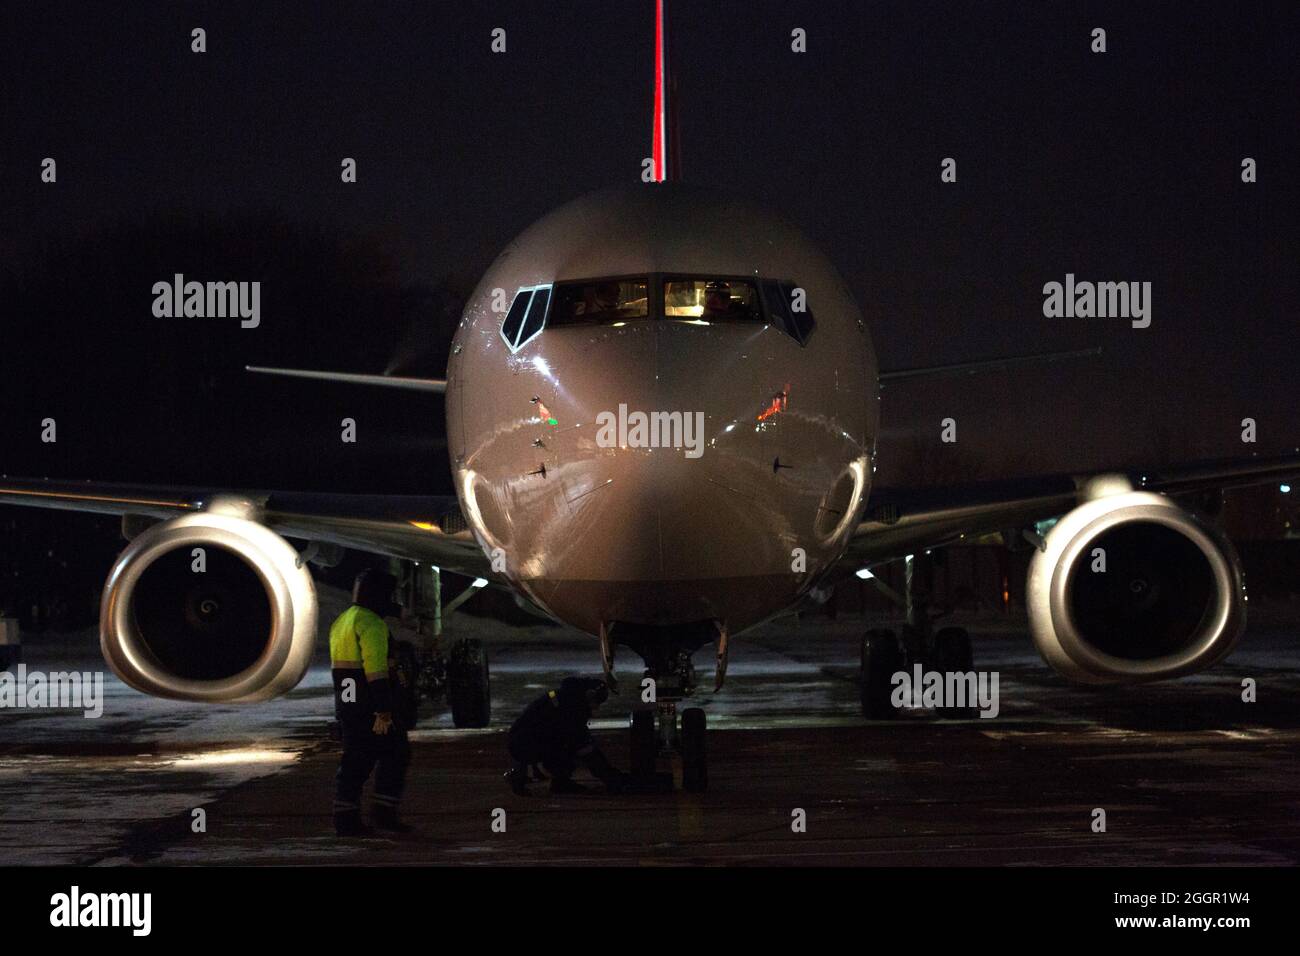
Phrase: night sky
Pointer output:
(1120, 166)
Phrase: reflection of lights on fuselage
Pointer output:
(858, 470)
(470, 500)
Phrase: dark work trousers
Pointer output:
(364, 751)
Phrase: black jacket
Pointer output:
(555, 724)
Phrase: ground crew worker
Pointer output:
(363, 698)
(552, 731)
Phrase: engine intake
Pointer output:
(1131, 587)
(241, 629)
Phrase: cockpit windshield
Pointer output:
(712, 300)
(602, 302)
(699, 300)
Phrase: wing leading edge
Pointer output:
(900, 521)
(438, 385)
(420, 528)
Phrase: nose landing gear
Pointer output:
(658, 734)
(660, 731)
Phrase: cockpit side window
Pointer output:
(515, 317)
(535, 320)
(527, 316)
(600, 302)
(787, 303)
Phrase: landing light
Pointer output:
(865, 574)
(1285, 489)
(479, 583)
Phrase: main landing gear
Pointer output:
(468, 685)
(457, 670)
(883, 654)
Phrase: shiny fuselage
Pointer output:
(595, 534)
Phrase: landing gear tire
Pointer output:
(952, 654)
(881, 658)
(695, 771)
(645, 746)
(467, 684)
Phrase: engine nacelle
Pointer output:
(241, 629)
(1171, 600)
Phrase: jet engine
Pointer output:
(1131, 587)
(211, 606)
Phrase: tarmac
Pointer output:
(1186, 772)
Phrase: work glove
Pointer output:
(383, 723)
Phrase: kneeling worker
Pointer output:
(552, 731)
(359, 649)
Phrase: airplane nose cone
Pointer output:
(662, 474)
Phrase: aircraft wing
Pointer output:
(900, 521)
(421, 528)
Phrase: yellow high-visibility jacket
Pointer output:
(359, 642)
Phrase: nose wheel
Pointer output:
(645, 746)
(653, 738)
(660, 730)
(695, 768)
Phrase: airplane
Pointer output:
(662, 408)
